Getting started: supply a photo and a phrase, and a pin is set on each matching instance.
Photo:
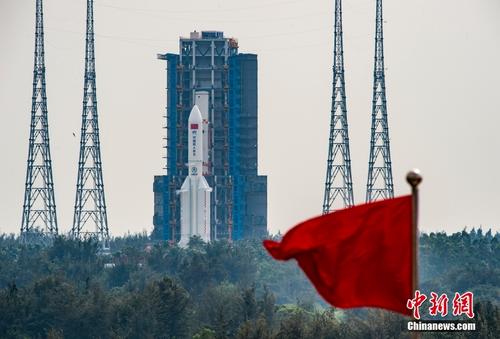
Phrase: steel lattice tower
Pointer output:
(90, 205)
(39, 208)
(338, 184)
(379, 184)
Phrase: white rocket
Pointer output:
(201, 99)
(195, 191)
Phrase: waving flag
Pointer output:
(357, 257)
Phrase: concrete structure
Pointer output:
(210, 72)
(195, 191)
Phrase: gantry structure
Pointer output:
(209, 65)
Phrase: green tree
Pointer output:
(221, 310)
(170, 307)
(53, 305)
(293, 323)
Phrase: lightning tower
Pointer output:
(90, 218)
(39, 208)
(380, 185)
(338, 184)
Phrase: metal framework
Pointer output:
(39, 208)
(201, 65)
(380, 185)
(338, 184)
(204, 66)
(209, 62)
(90, 205)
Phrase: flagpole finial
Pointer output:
(414, 178)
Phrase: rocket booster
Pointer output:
(195, 191)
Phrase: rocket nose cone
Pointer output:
(195, 115)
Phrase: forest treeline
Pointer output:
(218, 290)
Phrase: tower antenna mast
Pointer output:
(380, 185)
(338, 184)
(90, 204)
(39, 207)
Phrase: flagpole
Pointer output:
(414, 179)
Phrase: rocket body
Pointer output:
(195, 191)
(201, 100)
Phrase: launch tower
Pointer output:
(209, 63)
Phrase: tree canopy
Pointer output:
(148, 289)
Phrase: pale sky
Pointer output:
(442, 60)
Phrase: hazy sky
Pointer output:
(442, 60)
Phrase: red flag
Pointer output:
(356, 257)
